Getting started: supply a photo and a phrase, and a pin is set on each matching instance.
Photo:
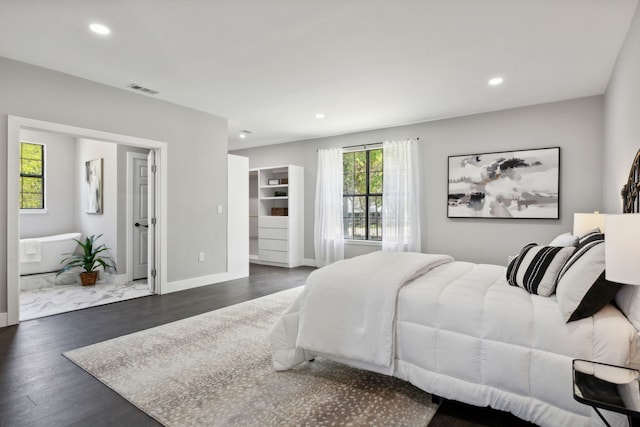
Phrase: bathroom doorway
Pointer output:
(114, 287)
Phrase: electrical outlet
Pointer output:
(200, 256)
(219, 209)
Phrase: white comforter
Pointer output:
(463, 333)
(350, 326)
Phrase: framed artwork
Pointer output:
(93, 185)
(506, 184)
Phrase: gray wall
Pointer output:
(60, 184)
(574, 125)
(106, 222)
(197, 155)
(622, 118)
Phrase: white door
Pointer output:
(140, 218)
(151, 228)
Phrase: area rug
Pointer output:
(215, 369)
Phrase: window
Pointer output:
(362, 195)
(31, 176)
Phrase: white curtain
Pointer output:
(400, 197)
(328, 231)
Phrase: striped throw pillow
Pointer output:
(582, 288)
(594, 235)
(536, 268)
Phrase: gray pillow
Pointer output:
(566, 239)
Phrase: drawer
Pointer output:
(273, 256)
(273, 233)
(273, 222)
(273, 245)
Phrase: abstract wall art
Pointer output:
(507, 184)
(93, 184)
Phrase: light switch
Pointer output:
(219, 209)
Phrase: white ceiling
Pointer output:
(270, 65)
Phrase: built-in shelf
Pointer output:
(280, 211)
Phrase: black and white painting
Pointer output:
(508, 184)
(93, 178)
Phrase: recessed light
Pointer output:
(496, 81)
(103, 30)
(319, 115)
(244, 133)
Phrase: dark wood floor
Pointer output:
(40, 387)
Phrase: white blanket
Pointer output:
(348, 317)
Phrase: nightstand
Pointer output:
(609, 387)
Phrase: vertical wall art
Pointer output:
(507, 184)
(93, 178)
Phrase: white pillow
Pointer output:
(566, 239)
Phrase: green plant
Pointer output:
(91, 258)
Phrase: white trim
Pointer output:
(271, 263)
(14, 124)
(363, 242)
(3, 320)
(309, 262)
(195, 282)
(13, 219)
(34, 211)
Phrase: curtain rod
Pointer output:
(366, 145)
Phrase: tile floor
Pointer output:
(61, 298)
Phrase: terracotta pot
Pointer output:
(89, 278)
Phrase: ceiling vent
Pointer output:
(143, 89)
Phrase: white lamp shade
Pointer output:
(583, 222)
(622, 257)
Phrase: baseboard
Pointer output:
(114, 278)
(305, 261)
(196, 282)
(4, 320)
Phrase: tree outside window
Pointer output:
(362, 195)
(31, 176)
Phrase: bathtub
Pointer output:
(43, 254)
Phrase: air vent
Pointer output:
(244, 133)
(143, 89)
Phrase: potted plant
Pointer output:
(92, 257)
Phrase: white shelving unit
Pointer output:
(253, 215)
(276, 215)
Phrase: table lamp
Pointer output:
(583, 222)
(622, 257)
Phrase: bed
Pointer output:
(462, 331)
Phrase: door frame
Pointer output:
(14, 125)
(129, 234)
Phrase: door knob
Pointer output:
(137, 224)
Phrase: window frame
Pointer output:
(367, 195)
(43, 209)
